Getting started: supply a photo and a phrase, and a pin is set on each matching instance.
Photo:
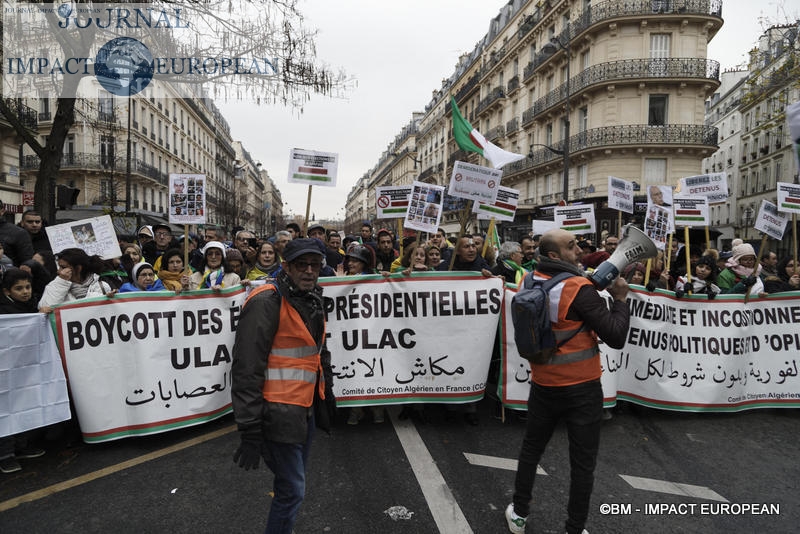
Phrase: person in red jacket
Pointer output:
(567, 387)
(282, 378)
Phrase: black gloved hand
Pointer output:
(711, 295)
(749, 281)
(651, 286)
(248, 454)
(678, 293)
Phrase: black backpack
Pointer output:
(530, 313)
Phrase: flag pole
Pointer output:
(308, 211)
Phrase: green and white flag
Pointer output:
(471, 140)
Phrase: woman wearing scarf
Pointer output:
(214, 274)
(78, 278)
(172, 274)
(266, 265)
(143, 279)
(508, 263)
(741, 272)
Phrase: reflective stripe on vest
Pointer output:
(577, 360)
(293, 365)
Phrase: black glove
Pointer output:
(248, 454)
(750, 281)
(678, 293)
(711, 295)
(651, 286)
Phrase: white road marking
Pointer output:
(673, 488)
(443, 506)
(496, 462)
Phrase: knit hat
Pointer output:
(233, 255)
(214, 244)
(138, 267)
(740, 251)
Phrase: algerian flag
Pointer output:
(471, 140)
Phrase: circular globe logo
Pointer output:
(65, 10)
(124, 66)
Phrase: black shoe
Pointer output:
(28, 452)
(471, 418)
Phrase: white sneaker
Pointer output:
(516, 524)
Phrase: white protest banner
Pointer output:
(620, 194)
(94, 236)
(691, 354)
(33, 389)
(771, 221)
(788, 197)
(312, 168)
(474, 182)
(425, 207)
(392, 202)
(427, 337)
(578, 218)
(187, 198)
(502, 209)
(143, 363)
(690, 211)
(539, 226)
(713, 186)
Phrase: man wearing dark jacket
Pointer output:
(567, 386)
(282, 378)
(16, 241)
(32, 223)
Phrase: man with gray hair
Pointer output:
(509, 263)
(282, 237)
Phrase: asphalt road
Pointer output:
(658, 472)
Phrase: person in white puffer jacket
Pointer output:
(78, 278)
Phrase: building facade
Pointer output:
(611, 88)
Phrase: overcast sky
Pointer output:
(399, 52)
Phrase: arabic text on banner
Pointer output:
(33, 389)
(144, 363)
(425, 338)
(690, 354)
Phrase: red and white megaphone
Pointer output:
(633, 246)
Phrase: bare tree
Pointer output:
(271, 32)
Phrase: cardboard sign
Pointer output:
(313, 168)
(187, 198)
(474, 182)
(392, 202)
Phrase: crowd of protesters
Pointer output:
(156, 258)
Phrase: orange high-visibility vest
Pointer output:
(577, 360)
(293, 366)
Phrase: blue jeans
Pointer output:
(581, 408)
(287, 461)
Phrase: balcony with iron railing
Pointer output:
(468, 88)
(512, 126)
(623, 135)
(513, 85)
(633, 70)
(605, 12)
(28, 116)
(101, 163)
(495, 133)
(495, 97)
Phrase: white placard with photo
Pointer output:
(93, 236)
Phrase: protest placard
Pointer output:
(391, 202)
(620, 194)
(502, 209)
(474, 182)
(93, 236)
(312, 167)
(187, 198)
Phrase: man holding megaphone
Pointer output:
(567, 386)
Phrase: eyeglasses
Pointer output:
(162, 234)
(304, 265)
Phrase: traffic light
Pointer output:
(66, 196)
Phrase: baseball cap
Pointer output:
(298, 247)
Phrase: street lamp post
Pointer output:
(550, 48)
